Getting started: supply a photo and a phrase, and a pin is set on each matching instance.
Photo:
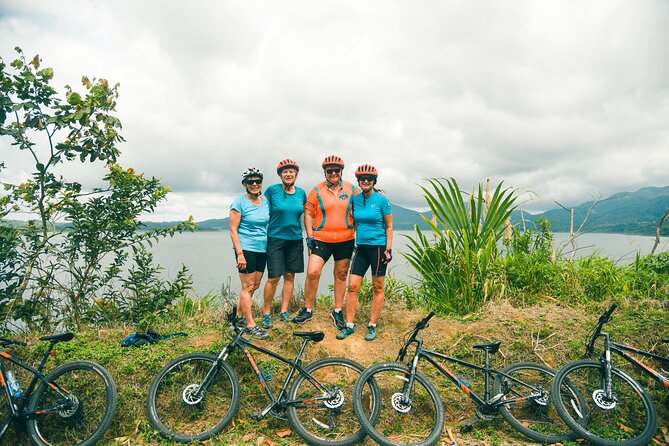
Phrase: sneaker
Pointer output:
(303, 316)
(266, 321)
(345, 332)
(240, 322)
(257, 332)
(285, 316)
(371, 333)
(338, 319)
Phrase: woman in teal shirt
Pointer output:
(249, 216)
(285, 249)
(373, 219)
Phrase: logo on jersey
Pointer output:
(343, 196)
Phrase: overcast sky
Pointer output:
(564, 99)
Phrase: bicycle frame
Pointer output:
(280, 400)
(622, 351)
(487, 402)
(17, 408)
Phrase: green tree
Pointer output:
(62, 273)
(454, 260)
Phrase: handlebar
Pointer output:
(603, 319)
(419, 326)
(6, 342)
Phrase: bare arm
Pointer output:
(388, 221)
(235, 219)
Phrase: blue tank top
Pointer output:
(253, 225)
(285, 211)
(368, 216)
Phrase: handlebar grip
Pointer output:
(607, 314)
(423, 323)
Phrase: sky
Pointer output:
(562, 100)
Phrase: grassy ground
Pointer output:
(548, 333)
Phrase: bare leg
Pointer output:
(379, 296)
(287, 291)
(314, 269)
(340, 273)
(244, 304)
(268, 293)
(352, 297)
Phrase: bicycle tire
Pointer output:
(177, 414)
(535, 418)
(336, 425)
(419, 423)
(629, 421)
(86, 420)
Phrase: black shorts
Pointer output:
(367, 256)
(284, 256)
(255, 262)
(340, 250)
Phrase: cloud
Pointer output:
(562, 98)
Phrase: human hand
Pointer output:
(387, 256)
(311, 243)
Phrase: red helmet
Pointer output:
(333, 160)
(283, 164)
(366, 169)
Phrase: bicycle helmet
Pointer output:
(333, 160)
(283, 164)
(367, 170)
(251, 172)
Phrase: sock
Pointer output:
(372, 325)
(337, 310)
(350, 324)
(309, 310)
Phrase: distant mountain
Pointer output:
(623, 213)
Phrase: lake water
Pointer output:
(210, 258)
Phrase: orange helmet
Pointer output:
(333, 160)
(283, 164)
(366, 169)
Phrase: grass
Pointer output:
(546, 332)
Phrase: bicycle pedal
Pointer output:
(469, 425)
(257, 416)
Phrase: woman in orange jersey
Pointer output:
(330, 233)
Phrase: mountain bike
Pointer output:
(72, 405)
(197, 395)
(411, 411)
(619, 411)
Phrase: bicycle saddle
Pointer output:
(58, 337)
(316, 336)
(491, 347)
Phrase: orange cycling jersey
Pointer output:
(331, 210)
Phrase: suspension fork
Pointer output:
(408, 386)
(606, 378)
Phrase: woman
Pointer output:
(373, 220)
(249, 216)
(285, 249)
(329, 226)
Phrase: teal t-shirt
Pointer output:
(368, 216)
(253, 225)
(285, 210)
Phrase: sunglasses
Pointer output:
(361, 179)
(253, 181)
(331, 171)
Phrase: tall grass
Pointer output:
(453, 260)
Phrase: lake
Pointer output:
(210, 257)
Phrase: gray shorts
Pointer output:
(284, 256)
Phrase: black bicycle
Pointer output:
(619, 410)
(411, 411)
(197, 395)
(73, 405)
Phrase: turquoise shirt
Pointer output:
(368, 216)
(285, 212)
(253, 225)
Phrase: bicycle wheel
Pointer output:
(330, 421)
(418, 421)
(84, 414)
(536, 417)
(177, 411)
(627, 418)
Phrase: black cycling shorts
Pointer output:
(284, 256)
(255, 262)
(340, 250)
(367, 256)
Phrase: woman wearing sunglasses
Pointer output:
(249, 216)
(373, 219)
(330, 233)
